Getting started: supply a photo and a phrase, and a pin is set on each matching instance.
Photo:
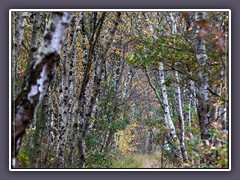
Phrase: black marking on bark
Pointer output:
(52, 27)
(64, 24)
(58, 13)
(33, 49)
(48, 37)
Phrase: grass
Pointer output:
(138, 161)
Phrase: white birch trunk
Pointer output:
(127, 82)
(203, 108)
(167, 118)
(21, 25)
(85, 117)
(64, 109)
(39, 77)
(166, 109)
(35, 37)
(179, 101)
(17, 37)
(67, 91)
(71, 83)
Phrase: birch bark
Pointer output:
(172, 138)
(39, 77)
(67, 90)
(19, 19)
(86, 120)
(167, 118)
(203, 108)
(179, 100)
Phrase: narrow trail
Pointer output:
(150, 163)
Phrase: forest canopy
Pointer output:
(120, 89)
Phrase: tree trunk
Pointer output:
(39, 77)
(17, 36)
(203, 108)
(35, 38)
(86, 119)
(63, 108)
(167, 118)
(40, 131)
(172, 137)
(179, 101)
(149, 142)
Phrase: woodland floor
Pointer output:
(150, 163)
(139, 161)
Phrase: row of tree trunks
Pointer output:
(17, 37)
(67, 89)
(85, 113)
(39, 77)
(71, 84)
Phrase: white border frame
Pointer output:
(122, 10)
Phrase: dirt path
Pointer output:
(150, 163)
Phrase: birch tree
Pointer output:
(19, 19)
(86, 121)
(67, 90)
(179, 101)
(203, 108)
(139, 86)
(88, 55)
(39, 77)
(167, 117)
